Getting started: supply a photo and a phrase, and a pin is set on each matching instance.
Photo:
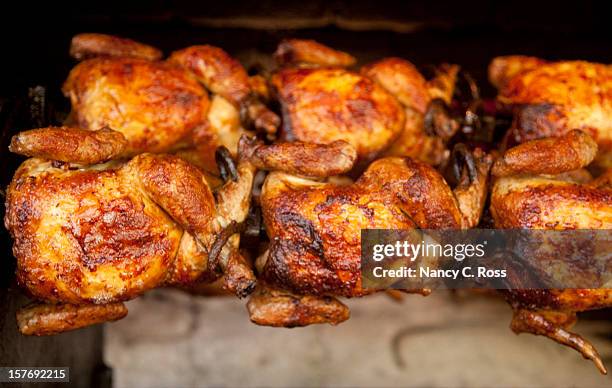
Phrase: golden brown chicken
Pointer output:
(428, 125)
(88, 236)
(538, 186)
(315, 231)
(552, 98)
(162, 106)
(387, 104)
(89, 45)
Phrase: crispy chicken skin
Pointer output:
(155, 105)
(309, 52)
(315, 227)
(162, 106)
(226, 77)
(402, 79)
(106, 233)
(382, 106)
(306, 159)
(569, 152)
(331, 104)
(550, 99)
(279, 308)
(214, 67)
(67, 144)
(44, 319)
(223, 127)
(85, 46)
(523, 197)
(503, 69)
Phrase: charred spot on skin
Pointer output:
(248, 290)
(24, 213)
(578, 193)
(127, 234)
(369, 213)
(292, 266)
(341, 199)
(533, 298)
(291, 220)
(245, 290)
(534, 121)
(276, 269)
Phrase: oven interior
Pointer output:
(35, 41)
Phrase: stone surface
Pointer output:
(173, 339)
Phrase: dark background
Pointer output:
(35, 37)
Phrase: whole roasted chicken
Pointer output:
(89, 235)
(387, 106)
(162, 106)
(315, 228)
(552, 98)
(539, 185)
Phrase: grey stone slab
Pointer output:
(173, 339)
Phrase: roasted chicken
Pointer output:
(315, 230)
(99, 216)
(162, 106)
(552, 98)
(538, 185)
(388, 106)
(89, 235)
